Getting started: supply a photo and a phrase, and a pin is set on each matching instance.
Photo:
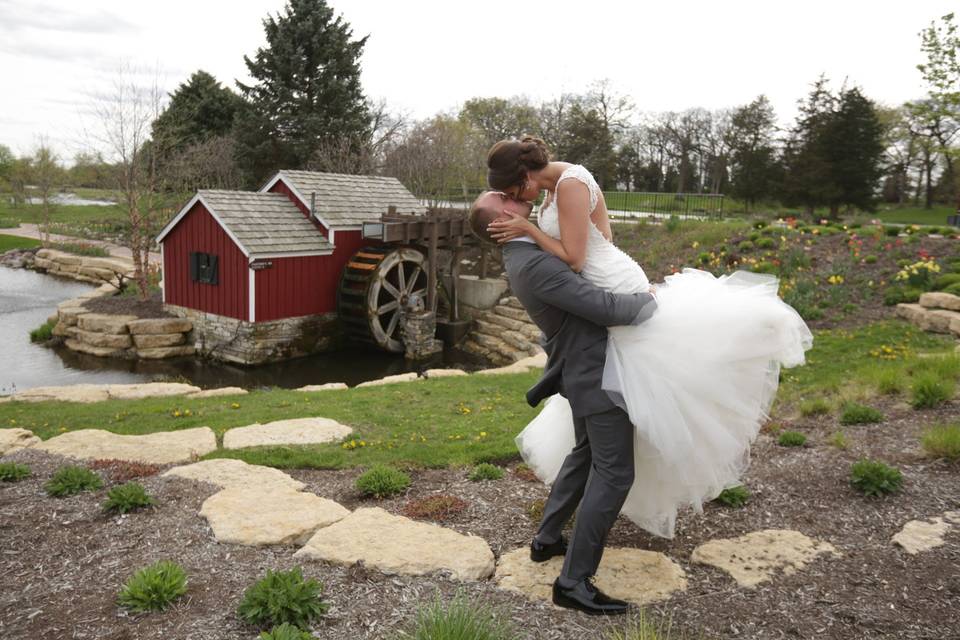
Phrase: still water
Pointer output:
(27, 298)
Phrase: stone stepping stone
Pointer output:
(226, 473)
(444, 373)
(297, 431)
(400, 377)
(100, 392)
(923, 535)
(634, 575)
(216, 393)
(155, 448)
(16, 438)
(329, 386)
(258, 516)
(395, 544)
(756, 557)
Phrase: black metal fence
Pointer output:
(634, 204)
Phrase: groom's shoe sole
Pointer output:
(547, 551)
(561, 599)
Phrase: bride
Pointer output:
(697, 379)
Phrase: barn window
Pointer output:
(203, 268)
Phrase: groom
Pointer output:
(573, 315)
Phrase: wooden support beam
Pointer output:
(455, 273)
(432, 273)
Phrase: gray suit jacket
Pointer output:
(573, 315)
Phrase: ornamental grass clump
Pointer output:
(854, 413)
(942, 441)
(733, 496)
(814, 407)
(381, 482)
(283, 597)
(127, 497)
(485, 471)
(875, 478)
(460, 618)
(792, 439)
(929, 390)
(436, 507)
(154, 588)
(69, 480)
(13, 472)
(286, 631)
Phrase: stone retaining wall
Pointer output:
(936, 312)
(243, 342)
(91, 269)
(119, 336)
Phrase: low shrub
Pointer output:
(765, 266)
(792, 439)
(381, 481)
(69, 480)
(462, 617)
(733, 496)
(929, 390)
(896, 295)
(875, 478)
(42, 333)
(286, 631)
(892, 231)
(127, 497)
(672, 224)
(283, 596)
(753, 237)
(124, 470)
(942, 441)
(704, 257)
(437, 507)
(814, 407)
(954, 289)
(485, 471)
(80, 249)
(946, 280)
(766, 243)
(13, 472)
(154, 588)
(839, 440)
(870, 259)
(745, 246)
(854, 413)
(890, 381)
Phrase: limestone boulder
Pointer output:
(510, 368)
(329, 386)
(71, 393)
(156, 448)
(444, 373)
(226, 473)
(297, 431)
(149, 326)
(16, 438)
(395, 544)
(159, 353)
(42, 263)
(96, 273)
(940, 300)
(100, 352)
(65, 258)
(67, 268)
(154, 340)
(634, 575)
(400, 377)
(757, 557)
(149, 390)
(256, 516)
(911, 312)
(104, 323)
(61, 330)
(537, 361)
(920, 535)
(216, 393)
(117, 265)
(939, 320)
(70, 315)
(105, 340)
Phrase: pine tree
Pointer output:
(307, 92)
(198, 110)
(755, 170)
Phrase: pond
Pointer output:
(27, 298)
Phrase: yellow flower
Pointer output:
(235, 405)
(695, 244)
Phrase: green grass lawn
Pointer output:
(15, 242)
(936, 216)
(457, 421)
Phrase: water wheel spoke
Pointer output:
(390, 288)
(390, 306)
(401, 278)
(420, 292)
(413, 279)
(392, 325)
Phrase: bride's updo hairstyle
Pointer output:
(508, 161)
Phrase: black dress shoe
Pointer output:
(542, 552)
(587, 598)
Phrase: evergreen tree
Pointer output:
(198, 110)
(586, 139)
(306, 93)
(755, 170)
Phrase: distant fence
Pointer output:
(632, 204)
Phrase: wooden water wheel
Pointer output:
(375, 283)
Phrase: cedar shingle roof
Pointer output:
(349, 200)
(264, 223)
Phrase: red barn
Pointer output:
(237, 262)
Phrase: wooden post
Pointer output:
(455, 273)
(432, 259)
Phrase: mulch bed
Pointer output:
(63, 560)
(129, 305)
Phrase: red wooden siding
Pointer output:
(198, 231)
(297, 286)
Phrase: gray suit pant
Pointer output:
(597, 475)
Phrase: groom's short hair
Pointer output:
(481, 216)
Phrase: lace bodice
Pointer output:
(606, 265)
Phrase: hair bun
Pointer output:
(534, 150)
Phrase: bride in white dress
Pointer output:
(697, 379)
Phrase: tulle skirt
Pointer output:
(697, 380)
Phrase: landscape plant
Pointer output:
(874, 478)
(734, 496)
(942, 441)
(283, 597)
(485, 471)
(461, 618)
(382, 481)
(154, 588)
(70, 479)
(435, 507)
(854, 413)
(13, 472)
(42, 333)
(127, 497)
(286, 631)
(792, 439)
(929, 390)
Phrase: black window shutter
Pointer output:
(194, 266)
(212, 270)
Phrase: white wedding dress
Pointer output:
(697, 379)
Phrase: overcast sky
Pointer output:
(425, 56)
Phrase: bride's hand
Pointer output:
(509, 226)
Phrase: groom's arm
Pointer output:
(561, 287)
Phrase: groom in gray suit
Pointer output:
(573, 315)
